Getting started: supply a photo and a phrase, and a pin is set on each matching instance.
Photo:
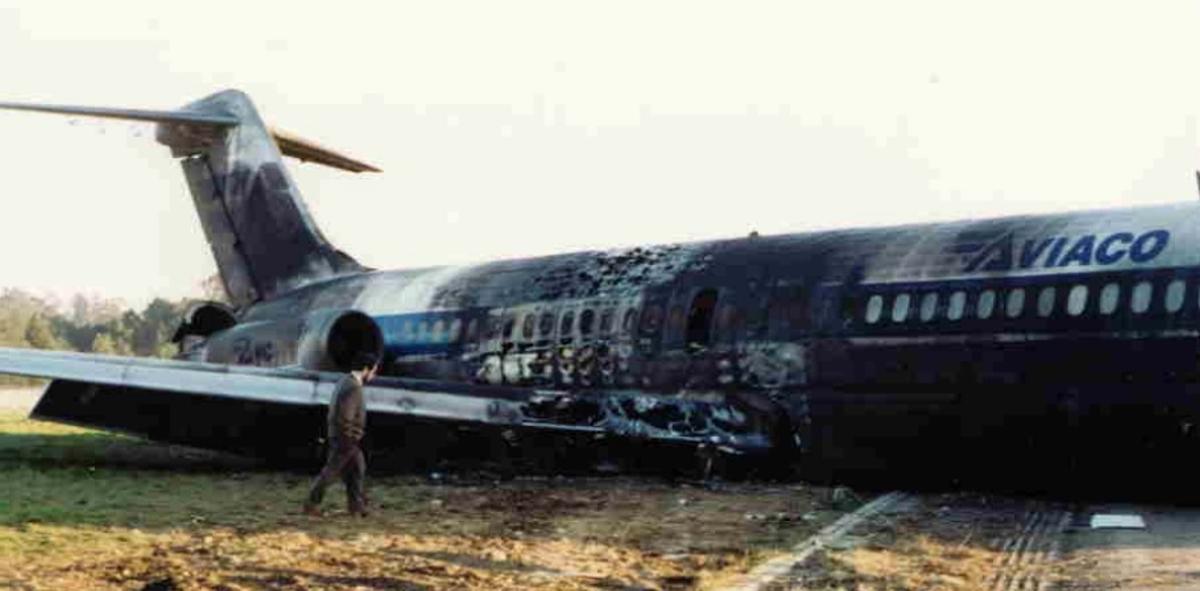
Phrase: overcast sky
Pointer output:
(511, 129)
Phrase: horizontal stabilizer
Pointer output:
(184, 117)
(289, 144)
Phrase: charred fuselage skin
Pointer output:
(1057, 340)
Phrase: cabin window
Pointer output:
(1110, 296)
(900, 307)
(1015, 303)
(472, 330)
(510, 327)
(527, 326)
(439, 331)
(546, 325)
(423, 331)
(630, 318)
(587, 320)
(1046, 301)
(1175, 293)
(1139, 301)
(455, 331)
(985, 305)
(566, 326)
(407, 330)
(958, 303)
(699, 322)
(606, 321)
(874, 309)
(651, 318)
(929, 306)
(1077, 300)
(675, 320)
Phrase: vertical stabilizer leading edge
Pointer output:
(261, 234)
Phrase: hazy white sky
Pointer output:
(522, 128)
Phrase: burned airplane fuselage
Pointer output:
(1016, 339)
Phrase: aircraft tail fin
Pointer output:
(261, 234)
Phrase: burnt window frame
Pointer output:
(566, 326)
(587, 322)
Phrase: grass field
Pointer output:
(81, 509)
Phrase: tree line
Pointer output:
(88, 324)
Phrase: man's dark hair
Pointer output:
(365, 360)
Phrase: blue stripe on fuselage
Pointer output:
(422, 333)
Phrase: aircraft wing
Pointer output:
(261, 411)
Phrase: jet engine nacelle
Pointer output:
(323, 340)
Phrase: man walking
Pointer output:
(346, 425)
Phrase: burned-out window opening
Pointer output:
(628, 322)
(700, 317)
(527, 326)
(566, 328)
(510, 327)
(546, 325)
(651, 318)
(587, 321)
(606, 321)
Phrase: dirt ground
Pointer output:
(943, 542)
(81, 509)
(1164, 555)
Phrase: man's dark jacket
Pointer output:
(347, 412)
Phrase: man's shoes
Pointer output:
(312, 511)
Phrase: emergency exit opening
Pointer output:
(699, 324)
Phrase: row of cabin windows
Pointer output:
(1013, 303)
(440, 331)
(443, 331)
(588, 322)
